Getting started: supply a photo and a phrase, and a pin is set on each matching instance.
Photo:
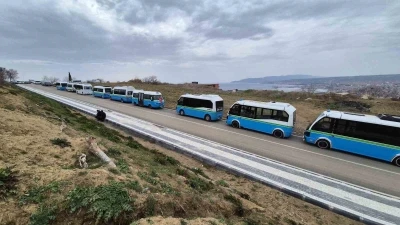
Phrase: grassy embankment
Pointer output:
(41, 181)
(307, 110)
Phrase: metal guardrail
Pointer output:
(344, 198)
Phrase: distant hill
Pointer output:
(274, 79)
(348, 79)
(309, 79)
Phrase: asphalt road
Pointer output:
(376, 175)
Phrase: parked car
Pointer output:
(37, 82)
(47, 83)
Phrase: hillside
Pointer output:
(274, 79)
(43, 183)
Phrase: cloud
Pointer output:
(205, 40)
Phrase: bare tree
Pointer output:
(309, 88)
(2, 75)
(136, 80)
(11, 74)
(45, 78)
(66, 79)
(53, 79)
(151, 80)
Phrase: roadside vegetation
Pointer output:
(43, 183)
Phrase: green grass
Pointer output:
(38, 194)
(74, 120)
(134, 185)
(182, 172)
(164, 159)
(239, 210)
(8, 182)
(199, 171)
(114, 171)
(222, 183)
(62, 142)
(199, 184)
(250, 221)
(113, 152)
(104, 202)
(10, 107)
(82, 173)
(148, 178)
(150, 206)
(123, 166)
(43, 216)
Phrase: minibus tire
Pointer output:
(181, 112)
(122, 100)
(396, 161)
(323, 144)
(235, 124)
(149, 106)
(278, 134)
(207, 118)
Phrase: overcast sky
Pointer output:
(206, 41)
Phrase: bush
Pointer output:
(8, 181)
(150, 206)
(136, 80)
(38, 194)
(222, 183)
(104, 201)
(62, 142)
(199, 171)
(199, 184)
(148, 178)
(43, 216)
(164, 159)
(113, 152)
(123, 166)
(134, 185)
(239, 210)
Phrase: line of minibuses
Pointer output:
(372, 136)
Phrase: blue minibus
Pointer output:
(61, 86)
(207, 107)
(372, 136)
(102, 91)
(150, 99)
(122, 94)
(276, 118)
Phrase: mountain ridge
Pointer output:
(272, 79)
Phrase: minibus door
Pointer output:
(140, 99)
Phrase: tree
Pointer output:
(151, 80)
(136, 80)
(69, 77)
(53, 79)
(11, 74)
(309, 88)
(2, 75)
(45, 78)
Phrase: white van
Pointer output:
(83, 89)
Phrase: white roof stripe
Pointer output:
(360, 118)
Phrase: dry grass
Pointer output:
(163, 186)
(307, 110)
